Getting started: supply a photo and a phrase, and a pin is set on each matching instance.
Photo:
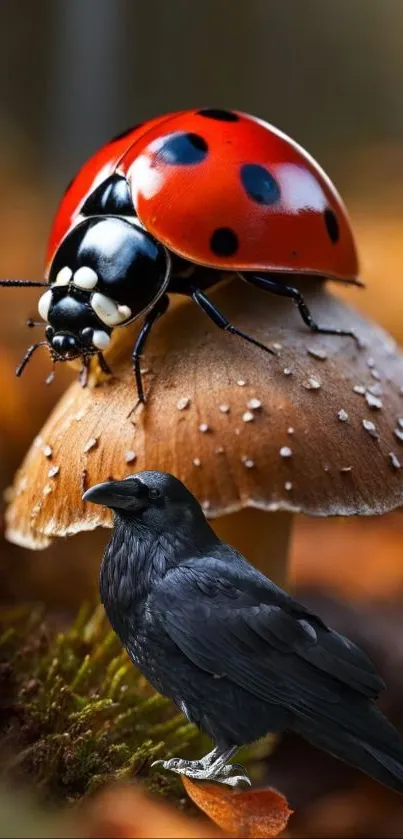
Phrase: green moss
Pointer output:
(75, 713)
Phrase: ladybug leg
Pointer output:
(277, 287)
(103, 364)
(155, 313)
(83, 375)
(211, 310)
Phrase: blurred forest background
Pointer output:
(73, 74)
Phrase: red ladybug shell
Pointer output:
(97, 169)
(226, 190)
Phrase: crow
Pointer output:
(237, 654)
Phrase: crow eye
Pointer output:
(154, 493)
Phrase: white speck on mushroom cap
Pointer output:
(342, 415)
(206, 505)
(395, 461)
(288, 486)
(254, 404)
(276, 346)
(345, 469)
(241, 382)
(373, 401)
(225, 409)
(248, 416)
(47, 450)
(371, 362)
(90, 444)
(79, 415)
(376, 389)
(204, 427)
(196, 461)
(53, 471)
(47, 489)
(370, 427)
(285, 451)
(287, 371)
(183, 403)
(399, 434)
(248, 462)
(219, 450)
(290, 430)
(359, 389)
(321, 355)
(130, 456)
(311, 384)
(375, 374)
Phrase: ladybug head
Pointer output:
(106, 272)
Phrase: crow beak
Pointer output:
(118, 495)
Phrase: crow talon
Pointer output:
(235, 781)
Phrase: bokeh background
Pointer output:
(73, 74)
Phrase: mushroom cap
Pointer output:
(318, 430)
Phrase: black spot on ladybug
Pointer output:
(110, 198)
(224, 242)
(332, 225)
(182, 149)
(259, 184)
(128, 131)
(216, 113)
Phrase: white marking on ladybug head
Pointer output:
(44, 304)
(125, 312)
(85, 277)
(100, 339)
(107, 310)
(63, 276)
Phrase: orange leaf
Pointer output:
(255, 813)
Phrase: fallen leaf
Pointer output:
(255, 813)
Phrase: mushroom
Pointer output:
(316, 430)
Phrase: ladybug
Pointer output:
(176, 195)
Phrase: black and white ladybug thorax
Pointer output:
(107, 271)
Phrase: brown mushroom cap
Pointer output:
(318, 430)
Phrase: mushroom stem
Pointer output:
(262, 537)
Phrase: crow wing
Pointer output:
(231, 621)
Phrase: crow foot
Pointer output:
(210, 768)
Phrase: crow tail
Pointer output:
(370, 743)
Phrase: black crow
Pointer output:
(237, 655)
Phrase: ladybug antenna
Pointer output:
(31, 324)
(30, 351)
(31, 283)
